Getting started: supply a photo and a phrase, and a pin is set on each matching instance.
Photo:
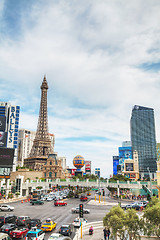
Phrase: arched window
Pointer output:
(50, 174)
(50, 163)
(55, 174)
(45, 174)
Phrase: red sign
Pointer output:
(73, 171)
(88, 166)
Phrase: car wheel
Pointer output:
(9, 209)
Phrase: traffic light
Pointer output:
(103, 193)
(77, 187)
(81, 210)
(69, 186)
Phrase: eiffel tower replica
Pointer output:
(42, 144)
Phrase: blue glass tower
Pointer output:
(143, 138)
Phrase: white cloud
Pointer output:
(91, 52)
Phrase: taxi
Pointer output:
(48, 225)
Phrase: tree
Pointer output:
(151, 219)
(133, 224)
(125, 225)
(115, 220)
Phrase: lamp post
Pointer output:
(150, 180)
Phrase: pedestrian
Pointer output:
(108, 233)
(105, 233)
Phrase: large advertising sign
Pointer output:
(73, 171)
(3, 134)
(129, 167)
(97, 172)
(6, 157)
(124, 153)
(2, 123)
(115, 164)
(88, 166)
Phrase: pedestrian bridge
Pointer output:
(30, 185)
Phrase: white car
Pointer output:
(77, 222)
(5, 207)
(55, 236)
(76, 210)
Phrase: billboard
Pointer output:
(6, 157)
(3, 134)
(115, 164)
(73, 171)
(124, 153)
(88, 166)
(2, 123)
(97, 172)
(129, 166)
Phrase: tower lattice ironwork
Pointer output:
(42, 143)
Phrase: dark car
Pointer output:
(35, 223)
(23, 221)
(10, 218)
(38, 202)
(65, 230)
(8, 227)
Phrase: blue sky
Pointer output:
(100, 59)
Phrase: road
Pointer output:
(62, 214)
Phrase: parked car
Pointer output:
(77, 222)
(84, 198)
(35, 223)
(64, 238)
(38, 202)
(4, 236)
(65, 230)
(49, 199)
(35, 234)
(55, 236)
(23, 221)
(5, 207)
(19, 233)
(48, 225)
(10, 218)
(60, 203)
(76, 210)
(8, 227)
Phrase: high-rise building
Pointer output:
(25, 143)
(143, 139)
(9, 116)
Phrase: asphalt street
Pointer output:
(62, 214)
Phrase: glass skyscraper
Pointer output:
(143, 138)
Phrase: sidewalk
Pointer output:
(16, 199)
(97, 235)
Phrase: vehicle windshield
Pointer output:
(31, 235)
(53, 237)
(64, 228)
(46, 224)
(76, 220)
(21, 218)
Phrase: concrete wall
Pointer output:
(27, 174)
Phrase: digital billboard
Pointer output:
(88, 166)
(124, 153)
(97, 172)
(6, 157)
(115, 164)
(3, 134)
(2, 123)
(129, 166)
